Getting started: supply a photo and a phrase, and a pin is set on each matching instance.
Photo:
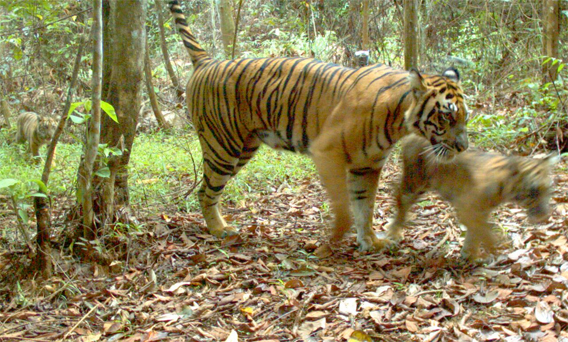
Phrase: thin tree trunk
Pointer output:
(236, 28)
(108, 24)
(165, 53)
(93, 132)
(365, 29)
(150, 88)
(43, 254)
(410, 34)
(227, 24)
(551, 23)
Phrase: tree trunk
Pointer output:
(94, 129)
(124, 94)
(551, 23)
(167, 62)
(43, 255)
(150, 88)
(410, 35)
(225, 9)
(108, 24)
(365, 29)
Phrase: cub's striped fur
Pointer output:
(475, 183)
(34, 129)
(346, 119)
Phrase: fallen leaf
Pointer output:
(308, 327)
(169, 317)
(111, 327)
(348, 306)
(176, 286)
(486, 298)
(233, 337)
(316, 314)
(293, 283)
(543, 313)
(359, 336)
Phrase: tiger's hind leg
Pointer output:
(478, 233)
(216, 174)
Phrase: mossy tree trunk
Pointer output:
(410, 34)
(124, 93)
(225, 9)
(551, 23)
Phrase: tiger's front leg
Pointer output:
(363, 183)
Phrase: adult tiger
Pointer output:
(346, 119)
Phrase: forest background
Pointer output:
(511, 57)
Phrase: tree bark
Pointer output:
(365, 29)
(124, 94)
(108, 24)
(150, 88)
(410, 34)
(225, 9)
(165, 53)
(551, 23)
(93, 132)
(43, 255)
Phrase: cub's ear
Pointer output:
(417, 83)
(553, 159)
(453, 74)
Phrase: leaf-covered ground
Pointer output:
(174, 282)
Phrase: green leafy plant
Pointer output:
(19, 192)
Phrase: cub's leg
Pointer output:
(412, 184)
(478, 232)
(216, 174)
(406, 196)
(362, 185)
(34, 148)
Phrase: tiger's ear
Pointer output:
(452, 74)
(417, 83)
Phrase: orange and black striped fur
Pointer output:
(347, 120)
(35, 129)
(475, 183)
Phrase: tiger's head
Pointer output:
(439, 112)
(45, 128)
(531, 186)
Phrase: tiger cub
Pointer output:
(34, 129)
(475, 183)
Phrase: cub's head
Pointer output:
(439, 112)
(45, 128)
(532, 186)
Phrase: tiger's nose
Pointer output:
(461, 142)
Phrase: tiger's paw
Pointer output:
(223, 232)
(324, 251)
(371, 243)
(394, 231)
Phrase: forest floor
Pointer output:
(175, 282)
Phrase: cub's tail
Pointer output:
(195, 50)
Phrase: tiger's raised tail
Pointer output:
(195, 50)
